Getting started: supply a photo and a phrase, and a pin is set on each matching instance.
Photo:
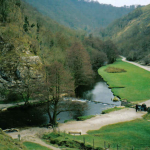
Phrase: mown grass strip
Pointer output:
(111, 110)
(136, 81)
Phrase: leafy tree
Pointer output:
(26, 24)
(80, 65)
(111, 50)
(98, 59)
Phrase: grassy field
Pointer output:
(127, 135)
(134, 83)
(34, 146)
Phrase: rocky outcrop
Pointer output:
(14, 67)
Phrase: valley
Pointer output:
(74, 66)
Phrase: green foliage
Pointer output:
(135, 81)
(31, 146)
(114, 70)
(82, 118)
(13, 97)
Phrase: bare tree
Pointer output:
(57, 81)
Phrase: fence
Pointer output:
(106, 146)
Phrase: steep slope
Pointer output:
(80, 14)
(6, 142)
(132, 34)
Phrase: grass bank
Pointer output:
(7, 143)
(111, 110)
(126, 135)
(134, 83)
(34, 146)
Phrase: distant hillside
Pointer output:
(131, 34)
(80, 14)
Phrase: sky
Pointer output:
(120, 3)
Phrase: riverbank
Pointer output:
(132, 85)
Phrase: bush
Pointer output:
(54, 141)
(114, 70)
(13, 97)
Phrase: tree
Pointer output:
(80, 65)
(111, 50)
(98, 59)
(4, 10)
(26, 24)
(57, 81)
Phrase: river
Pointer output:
(97, 99)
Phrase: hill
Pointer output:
(131, 34)
(80, 14)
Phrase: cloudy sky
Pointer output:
(119, 3)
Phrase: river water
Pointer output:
(97, 99)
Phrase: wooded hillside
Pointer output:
(132, 34)
(80, 14)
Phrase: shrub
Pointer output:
(13, 97)
(114, 70)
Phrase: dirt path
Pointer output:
(136, 64)
(5, 106)
(102, 120)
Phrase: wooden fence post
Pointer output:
(104, 144)
(64, 133)
(93, 144)
(19, 137)
(117, 147)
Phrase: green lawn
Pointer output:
(127, 135)
(136, 81)
(34, 146)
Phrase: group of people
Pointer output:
(141, 107)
